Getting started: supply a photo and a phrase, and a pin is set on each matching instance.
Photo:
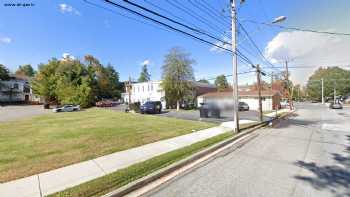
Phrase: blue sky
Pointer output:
(33, 35)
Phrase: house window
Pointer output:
(15, 86)
(151, 87)
(138, 89)
(143, 88)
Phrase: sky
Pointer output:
(46, 29)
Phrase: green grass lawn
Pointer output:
(51, 141)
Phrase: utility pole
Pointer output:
(258, 78)
(271, 80)
(287, 81)
(335, 92)
(322, 83)
(234, 65)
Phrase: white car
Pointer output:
(284, 103)
(67, 108)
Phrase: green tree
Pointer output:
(144, 75)
(45, 82)
(334, 77)
(104, 80)
(4, 73)
(177, 76)
(25, 70)
(221, 83)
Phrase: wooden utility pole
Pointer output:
(271, 80)
(287, 81)
(258, 78)
(234, 66)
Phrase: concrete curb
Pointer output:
(177, 165)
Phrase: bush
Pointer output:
(135, 106)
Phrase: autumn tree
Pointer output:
(25, 70)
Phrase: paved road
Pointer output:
(194, 115)
(308, 155)
(17, 112)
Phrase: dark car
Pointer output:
(242, 106)
(151, 107)
(336, 106)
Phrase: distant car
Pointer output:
(151, 107)
(284, 103)
(242, 106)
(336, 106)
(104, 104)
(67, 108)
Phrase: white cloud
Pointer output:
(308, 49)
(65, 8)
(146, 62)
(5, 40)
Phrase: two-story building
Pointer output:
(152, 91)
(16, 90)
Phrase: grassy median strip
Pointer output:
(51, 141)
(124, 176)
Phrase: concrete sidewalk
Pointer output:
(57, 180)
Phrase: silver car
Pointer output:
(67, 108)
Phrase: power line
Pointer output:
(124, 15)
(165, 25)
(256, 46)
(208, 12)
(298, 29)
(238, 53)
(192, 14)
(173, 21)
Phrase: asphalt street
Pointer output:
(306, 155)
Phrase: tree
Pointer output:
(203, 81)
(221, 83)
(177, 76)
(45, 82)
(4, 73)
(25, 70)
(334, 77)
(104, 80)
(144, 75)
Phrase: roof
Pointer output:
(241, 93)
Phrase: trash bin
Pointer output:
(46, 105)
(215, 113)
(203, 112)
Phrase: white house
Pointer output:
(270, 99)
(152, 91)
(15, 90)
(145, 91)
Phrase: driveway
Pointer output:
(307, 155)
(17, 112)
(225, 115)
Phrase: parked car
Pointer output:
(242, 106)
(151, 107)
(336, 105)
(67, 108)
(105, 103)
